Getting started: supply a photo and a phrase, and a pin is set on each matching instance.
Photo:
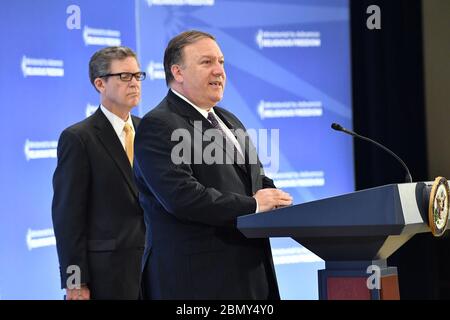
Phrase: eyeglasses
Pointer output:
(127, 76)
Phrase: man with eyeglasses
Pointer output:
(97, 218)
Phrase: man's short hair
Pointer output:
(174, 51)
(100, 62)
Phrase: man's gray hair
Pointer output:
(100, 62)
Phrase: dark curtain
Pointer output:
(389, 107)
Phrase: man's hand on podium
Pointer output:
(270, 198)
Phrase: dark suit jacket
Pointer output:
(97, 218)
(190, 212)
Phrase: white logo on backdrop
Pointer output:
(90, 109)
(289, 109)
(42, 67)
(40, 238)
(180, 3)
(286, 39)
(101, 37)
(295, 179)
(155, 71)
(40, 149)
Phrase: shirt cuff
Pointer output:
(257, 207)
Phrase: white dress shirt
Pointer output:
(225, 129)
(118, 124)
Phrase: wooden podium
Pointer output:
(354, 233)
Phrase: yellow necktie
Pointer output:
(129, 139)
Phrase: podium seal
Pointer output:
(438, 206)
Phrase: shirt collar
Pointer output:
(203, 112)
(116, 122)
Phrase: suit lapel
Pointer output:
(239, 137)
(185, 109)
(234, 127)
(252, 163)
(114, 148)
(136, 122)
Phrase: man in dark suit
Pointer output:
(190, 202)
(98, 222)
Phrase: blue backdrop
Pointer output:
(288, 69)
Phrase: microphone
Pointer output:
(338, 127)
